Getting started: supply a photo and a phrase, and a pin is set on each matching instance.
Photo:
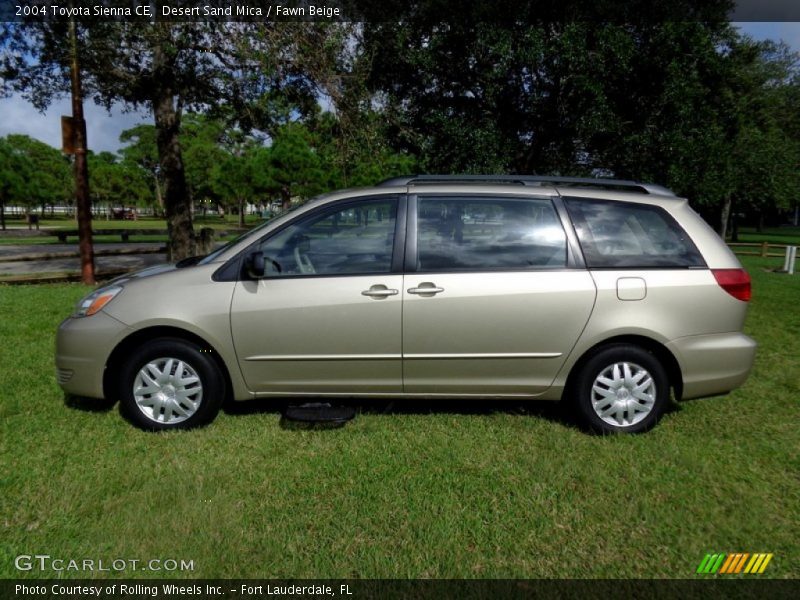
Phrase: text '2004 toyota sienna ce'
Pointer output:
(610, 294)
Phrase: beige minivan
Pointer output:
(608, 294)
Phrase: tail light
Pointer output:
(734, 281)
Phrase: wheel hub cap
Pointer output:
(167, 390)
(623, 394)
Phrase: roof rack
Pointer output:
(532, 180)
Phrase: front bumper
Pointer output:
(713, 364)
(83, 346)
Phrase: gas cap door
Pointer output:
(631, 288)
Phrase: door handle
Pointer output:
(379, 291)
(424, 289)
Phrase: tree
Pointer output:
(688, 103)
(567, 97)
(141, 150)
(204, 142)
(15, 175)
(762, 135)
(49, 181)
(234, 178)
(356, 155)
(290, 166)
(117, 182)
(167, 67)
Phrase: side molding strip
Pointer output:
(316, 357)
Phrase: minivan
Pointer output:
(611, 295)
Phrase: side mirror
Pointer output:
(255, 265)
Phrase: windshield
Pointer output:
(211, 257)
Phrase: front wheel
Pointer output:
(621, 389)
(171, 384)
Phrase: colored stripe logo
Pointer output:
(737, 562)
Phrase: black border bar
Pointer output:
(499, 11)
(704, 587)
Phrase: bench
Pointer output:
(125, 234)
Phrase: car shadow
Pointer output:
(548, 410)
(95, 405)
(556, 412)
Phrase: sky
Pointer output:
(103, 128)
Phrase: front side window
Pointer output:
(356, 238)
(484, 233)
(625, 234)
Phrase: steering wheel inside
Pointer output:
(304, 264)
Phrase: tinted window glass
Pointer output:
(488, 233)
(623, 234)
(356, 238)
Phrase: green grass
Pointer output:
(773, 235)
(425, 491)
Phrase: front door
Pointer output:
(327, 317)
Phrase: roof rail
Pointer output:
(532, 180)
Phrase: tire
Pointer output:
(622, 388)
(170, 383)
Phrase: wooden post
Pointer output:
(206, 241)
(82, 201)
(764, 249)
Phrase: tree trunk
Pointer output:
(3, 215)
(167, 114)
(760, 226)
(724, 216)
(83, 201)
(286, 198)
(159, 197)
(241, 213)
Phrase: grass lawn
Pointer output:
(773, 235)
(428, 490)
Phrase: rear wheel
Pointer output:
(171, 384)
(621, 389)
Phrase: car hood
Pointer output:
(147, 272)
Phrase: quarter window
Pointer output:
(624, 234)
(481, 233)
(352, 239)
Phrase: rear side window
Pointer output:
(484, 233)
(624, 234)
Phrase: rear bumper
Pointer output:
(713, 364)
(83, 346)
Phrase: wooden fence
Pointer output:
(763, 249)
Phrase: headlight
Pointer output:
(95, 301)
